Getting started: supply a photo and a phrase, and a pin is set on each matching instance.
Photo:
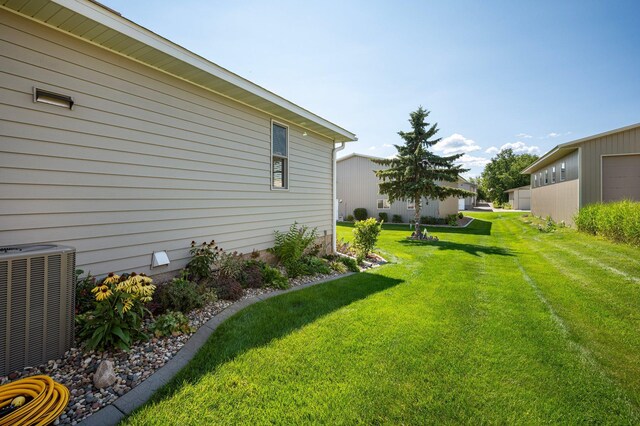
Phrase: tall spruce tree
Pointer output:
(416, 172)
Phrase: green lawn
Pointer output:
(496, 323)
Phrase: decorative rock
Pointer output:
(104, 375)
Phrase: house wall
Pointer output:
(143, 162)
(560, 201)
(625, 142)
(571, 161)
(524, 199)
(469, 202)
(357, 186)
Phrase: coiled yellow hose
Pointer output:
(49, 401)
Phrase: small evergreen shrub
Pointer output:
(430, 220)
(360, 213)
(366, 234)
(460, 215)
(291, 247)
(618, 221)
(171, 324)
(396, 218)
(349, 218)
(384, 217)
(180, 295)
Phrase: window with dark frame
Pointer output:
(553, 174)
(280, 156)
(383, 204)
(563, 171)
(546, 177)
(535, 181)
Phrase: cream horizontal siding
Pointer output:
(143, 162)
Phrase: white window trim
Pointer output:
(383, 201)
(286, 187)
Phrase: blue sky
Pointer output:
(524, 74)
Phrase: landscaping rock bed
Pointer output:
(75, 370)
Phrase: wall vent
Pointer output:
(37, 304)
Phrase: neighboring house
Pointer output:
(121, 143)
(603, 167)
(520, 198)
(358, 188)
(467, 203)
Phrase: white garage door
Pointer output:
(621, 177)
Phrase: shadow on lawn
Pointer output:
(473, 249)
(259, 324)
(477, 227)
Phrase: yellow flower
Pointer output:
(128, 304)
(103, 292)
(111, 279)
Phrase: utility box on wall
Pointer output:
(37, 304)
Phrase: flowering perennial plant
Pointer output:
(116, 321)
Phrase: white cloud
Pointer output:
(517, 147)
(470, 161)
(387, 145)
(456, 144)
(553, 135)
(372, 148)
(523, 136)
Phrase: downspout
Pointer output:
(334, 218)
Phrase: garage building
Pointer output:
(599, 168)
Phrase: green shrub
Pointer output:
(338, 266)
(365, 236)
(360, 213)
(272, 277)
(460, 215)
(497, 204)
(116, 320)
(507, 206)
(85, 300)
(452, 220)
(350, 263)
(315, 265)
(180, 295)
(291, 247)
(384, 217)
(618, 221)
(396, 218)
(203, 257)
(349, 218)
(171, 324)
(430, 220)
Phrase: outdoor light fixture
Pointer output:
(51, 98)
(304, 134)
(159, 258)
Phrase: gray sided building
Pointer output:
(600, 168)
(357, 186)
